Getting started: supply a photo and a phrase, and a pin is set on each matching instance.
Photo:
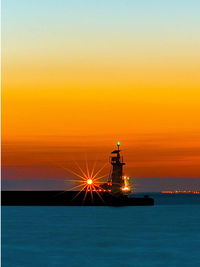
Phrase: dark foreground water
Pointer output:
(167, 234)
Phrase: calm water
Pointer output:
(167, 234)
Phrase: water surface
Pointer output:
(162, 235)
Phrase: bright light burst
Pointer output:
(89, 181)
(126, 186)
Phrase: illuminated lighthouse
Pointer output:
(117, 171)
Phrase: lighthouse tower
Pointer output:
(117, 171)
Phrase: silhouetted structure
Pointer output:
(117, 172)
(114, 193)
(69, 198)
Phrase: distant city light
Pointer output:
(180, 192)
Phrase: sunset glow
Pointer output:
(76, 78)
(100, 133)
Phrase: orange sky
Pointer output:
(65, 95)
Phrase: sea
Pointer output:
(167, 234)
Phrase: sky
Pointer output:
(77, 76)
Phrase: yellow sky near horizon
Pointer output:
(76, 79)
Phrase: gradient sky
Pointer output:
(77, 76)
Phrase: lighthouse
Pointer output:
(117, 171)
